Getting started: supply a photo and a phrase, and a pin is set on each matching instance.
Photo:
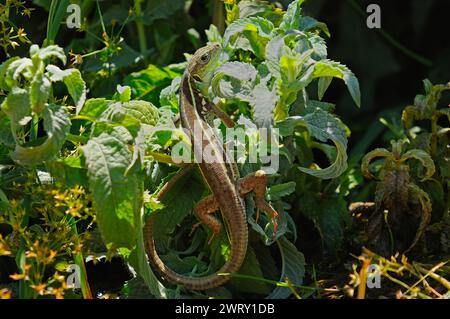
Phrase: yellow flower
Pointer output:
(5, 294)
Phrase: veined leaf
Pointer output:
(48, 52)
(424, 158)
(4, 85)
(73, 81)
(378, 152)
(95, 107)
(291, 19)
(57, 126)
(117, 199)
(329, 214)
(39, 92)
(278, 191)
(293, 268)
(148, 83)
(328, 68)
(263, 27)
(322, 126)
(17, 107)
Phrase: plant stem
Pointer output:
(140, 27)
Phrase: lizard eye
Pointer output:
(205, 58)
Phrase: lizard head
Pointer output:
(202, 64)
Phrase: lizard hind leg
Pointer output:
(257, 183)
(204, 211)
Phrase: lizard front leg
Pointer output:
(257, 183)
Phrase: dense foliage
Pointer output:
(84, 149)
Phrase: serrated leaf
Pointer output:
(424, 158)
(379, 152)
(76, 87)
(329, 214)
(117, 199)
(328, 68)
(278, 191)
(291, 19)
(293, 268)
(262, 26)
(324, 83)
(148, 83)
(95, 107)
(323, 126)
(39, 92)
(4, 85)
(309, 23)
(48, 52)
(17, 107)
(213, 35)
(57, 126)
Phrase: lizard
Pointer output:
(222, 177)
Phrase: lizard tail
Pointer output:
(216, 279)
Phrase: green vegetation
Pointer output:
(88, 123)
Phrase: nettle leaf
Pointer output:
(57, 126)
(73, 81)
(148, 83)
(329, 214)
(309, 23)
(94, 108)
(39, 92)
(117, 199)
(132, 114)
(261, 26)
(48, 52)
(293, 268)
(168, 96)
(4, 84)
(263, 101)
(292, 17)
(274, 52)
(328, 68)
(213, 35)
(234, 80)
(278, 191)
(323, 126)
(17, 68)
(17, 107)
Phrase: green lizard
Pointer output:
(221, 176)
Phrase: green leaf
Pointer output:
(261, 26)
(95, 107)
(329, 214)
(73, 81)
(324, 83)
(76, 87)
(17, 107)
(323, 126)
(39, 92)
(4, 85)
(117, 199)
(293, 268)
(328, 68)
(124, 93)
(213, 35)
(251, 268)
(48, 52)
(278, 191)
(148, 83)
(57, 126)
(309, 23)
(168, 96)
(291, 19)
